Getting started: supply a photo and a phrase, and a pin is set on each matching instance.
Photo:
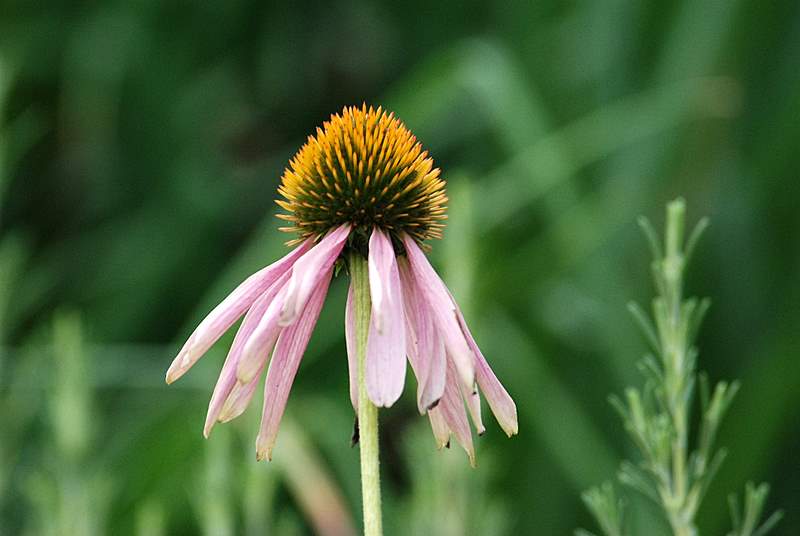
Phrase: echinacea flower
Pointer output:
(362, 185)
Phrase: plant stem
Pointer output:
(367, 412)
(678, 390)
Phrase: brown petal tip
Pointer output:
(262, 455)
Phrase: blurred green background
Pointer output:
(141, 144)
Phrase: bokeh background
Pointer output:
(141, 144)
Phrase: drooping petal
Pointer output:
(434, 387)
(380, 259)
(441, 432)
(425, 351)
(452, 409)
(417, 364)
(350, 341)
(500, 402)
(229, 311)
(386, 342)
(260, 343)
(435, 293)
(309, 270)
(227, 377)
(473, 401)
(285, 361)
(239, 397)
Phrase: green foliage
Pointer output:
(674, 471)
(745, 523)
(607, 509)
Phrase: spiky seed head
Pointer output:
(363, 167)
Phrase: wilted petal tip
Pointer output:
(264, 452)
(178, 367)
(173, 375)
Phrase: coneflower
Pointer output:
(362, 190)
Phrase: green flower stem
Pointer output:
(367, 412)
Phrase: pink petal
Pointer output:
(425, 351)
(435, 293)
(434, 387)
(350, 341)
(441, 432)
(239, 397)
(386, 342)
(380, 260)
(500, 402)
(417, 364)
(227, 377)
(288, 352)
(228, 311)
(452, 407)
(259, 345)
(473, 401)
(309, 270)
